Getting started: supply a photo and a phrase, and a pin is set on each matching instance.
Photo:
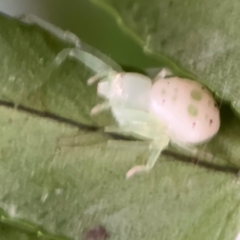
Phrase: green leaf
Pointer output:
(26, 56)
(59, 180)
(7, 233)
(195, 39)
(63, 187)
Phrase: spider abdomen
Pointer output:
(187, 108)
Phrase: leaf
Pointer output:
(27, 55)
(7, 233)
(60, 180)
(193, 38)
(64, 190)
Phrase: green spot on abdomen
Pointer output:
(192, 110)
(163, 91)
(196, 94)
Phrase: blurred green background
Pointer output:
(90, 23)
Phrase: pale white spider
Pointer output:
(175, 110)
(171, 109)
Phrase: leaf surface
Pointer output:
(59, 179)
(194, 39)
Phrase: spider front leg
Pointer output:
(103, 71)
(155, 149)
(141, 125)
(100, 108)
(94, 63)
(58, 32)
